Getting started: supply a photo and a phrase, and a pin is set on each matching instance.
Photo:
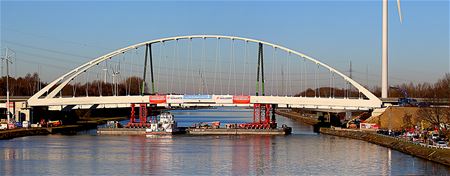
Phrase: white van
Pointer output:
(25, 124)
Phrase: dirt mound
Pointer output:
(396, 118)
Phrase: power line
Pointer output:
(48, 50)
(55, 39)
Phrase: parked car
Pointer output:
(441, 144)
(54, 123)
(434, 136)
(18, 124)
(3, 126)
(36, 125)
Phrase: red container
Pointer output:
(157, 99)
(241, 99)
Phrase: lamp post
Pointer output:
(7, 59)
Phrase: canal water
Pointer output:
(302, 153)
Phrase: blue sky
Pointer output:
(66, 34)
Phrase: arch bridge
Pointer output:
(206, 70)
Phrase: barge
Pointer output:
(166, 125)
(238, 131)
(121, 131)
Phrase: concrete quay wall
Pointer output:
(438, 155)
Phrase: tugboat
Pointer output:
(165, 125)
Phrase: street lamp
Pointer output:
(8, 60)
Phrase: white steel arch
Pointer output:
(66, 78)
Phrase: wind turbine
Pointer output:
(115, 78)
(384, 41)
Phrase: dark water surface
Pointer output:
(302, 153)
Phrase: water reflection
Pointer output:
(303, 153)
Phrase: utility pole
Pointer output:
(8, 61)
(351, 71)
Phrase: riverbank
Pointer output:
(297, 117)
(438, 155)
(84, 124)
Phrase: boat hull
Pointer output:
(238, 131)
(121, 131)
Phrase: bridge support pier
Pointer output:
(132, 116)
(260, 111)
(273, 123)
(142, 114)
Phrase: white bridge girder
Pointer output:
(289, 102)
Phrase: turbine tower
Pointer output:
(384, 53)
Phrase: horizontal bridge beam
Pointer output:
(213, 100)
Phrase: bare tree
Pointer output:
(435, 115)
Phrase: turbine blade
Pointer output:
(399, 11)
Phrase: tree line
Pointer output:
(440, 89)
(31, 83)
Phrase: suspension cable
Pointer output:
(215, 65)
(289, 72)
(187, 69)
(315, 83)
(87, 84)
(334, 86)
(203, 67)
(193, 66)
(162, 59)
(275, 80)
(245, 65)
(301, 77)
(272, 81)
(200, 70)
(234, 66)
(318, 83)
(74, 86)
(169, 90)
(221, 78)
(229, 75)
(330, 84)
(175, 49)
(249, 75)
(178, 60)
